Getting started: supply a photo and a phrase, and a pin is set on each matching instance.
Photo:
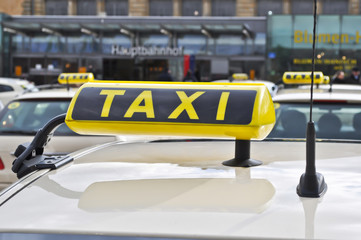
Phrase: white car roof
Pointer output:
(347, 93)
(17, 84)
(181, 189)
(272, 87)
(45, 94)
(18, 87)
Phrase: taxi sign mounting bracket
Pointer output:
(30, 156)
(242, 155)
(42, 162)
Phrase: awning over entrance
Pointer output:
(60, 25)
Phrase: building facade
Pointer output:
(139, 39)
(236, 8)
(137, 48)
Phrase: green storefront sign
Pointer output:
(333, 31)
(338, 42)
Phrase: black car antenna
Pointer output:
(312, 183)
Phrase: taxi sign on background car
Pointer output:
(75, 78)
(302, 78)
(326, 79)
(241, 111)
(240, 76)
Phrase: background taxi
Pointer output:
(10, 88)
(336, 111)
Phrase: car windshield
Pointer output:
(27, 117)
(332, 121)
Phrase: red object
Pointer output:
(329, 101)
(186, 60)
(1, 164)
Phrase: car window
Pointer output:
(5, 88)
(26, 117)
(332, 121)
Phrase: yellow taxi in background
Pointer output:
(224, 184)
(336, 108)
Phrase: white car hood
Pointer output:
(151, 192)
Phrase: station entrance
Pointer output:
(134, 69)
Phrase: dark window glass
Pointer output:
(192, 43)
(46, 43)
(110, 43)
(116, 7)
(192, 8)
(83, 44)
(223, 8)
(332, 121)
(154, 40)
(29, 116)
(264, 6)
(27, 43)
(6, 88)
(335, 7)
(56, 7)
(302, 7)
(86, 7)
(229, 45)
(160, 7)
(260, 44)
(17, 43)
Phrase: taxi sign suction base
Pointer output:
(312, 184)
(242, 156)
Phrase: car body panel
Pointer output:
(182, 189)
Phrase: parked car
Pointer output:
(12, 87)
(336, 110)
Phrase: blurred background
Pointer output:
(142, 39)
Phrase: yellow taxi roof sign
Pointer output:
(240, 76)
(302, 78)
(241, 111)
(75, 78)
(326, 79)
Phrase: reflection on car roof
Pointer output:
(55, 93)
